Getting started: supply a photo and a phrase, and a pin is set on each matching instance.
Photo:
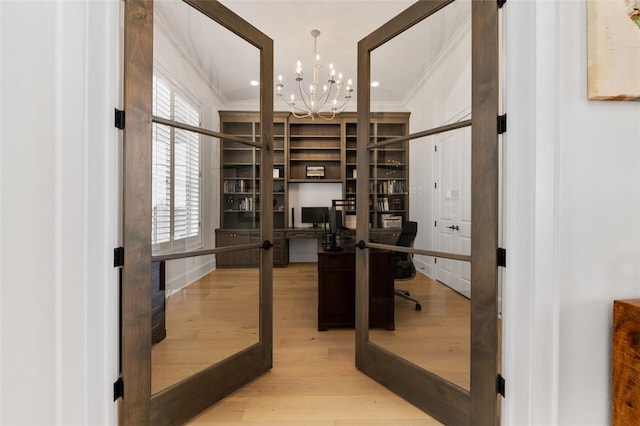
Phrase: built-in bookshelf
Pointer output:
(308, 151)
(315, 150)
(240, 168)
(388, 171)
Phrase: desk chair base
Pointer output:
(406, 295)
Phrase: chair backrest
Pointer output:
(408, 234)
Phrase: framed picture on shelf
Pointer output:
(396, 202)
(315, 172)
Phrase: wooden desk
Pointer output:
(336, 289)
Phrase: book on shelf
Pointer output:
(383, 203)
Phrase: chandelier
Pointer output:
(324, 102)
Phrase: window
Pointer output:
(176, 173)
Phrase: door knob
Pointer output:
(454, 227)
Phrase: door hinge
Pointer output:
(435, 223)
(118, 257)
(119, 119)
(500, 385)
(502, 257)
(501, 3)
(502, 124)
(118, 389)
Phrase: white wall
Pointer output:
(572, 219)
(59, 85)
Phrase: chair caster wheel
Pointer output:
(418, 307)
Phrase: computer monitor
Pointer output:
(315, 215)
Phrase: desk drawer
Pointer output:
(302, 235)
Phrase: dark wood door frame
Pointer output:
(182, 401)
(444, 400)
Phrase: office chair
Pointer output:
(404, 267)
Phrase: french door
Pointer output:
(218, 329)
(444, 358)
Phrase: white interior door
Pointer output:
(452, 157)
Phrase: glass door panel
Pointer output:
(210, 300)
(434, 332)
(442, 354)
(209, 314)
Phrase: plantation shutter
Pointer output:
(186, 172)
(176, 168)
(161, 165)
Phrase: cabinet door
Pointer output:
(224, 239)
(280, 249)
(254, 255)
(381, 287)
(242, 258)
(336, 290)
(389, 237)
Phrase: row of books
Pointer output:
(238, 185)
(388, 186)
(385, 203)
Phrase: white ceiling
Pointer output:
(230, 63)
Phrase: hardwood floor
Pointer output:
(314, 380)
